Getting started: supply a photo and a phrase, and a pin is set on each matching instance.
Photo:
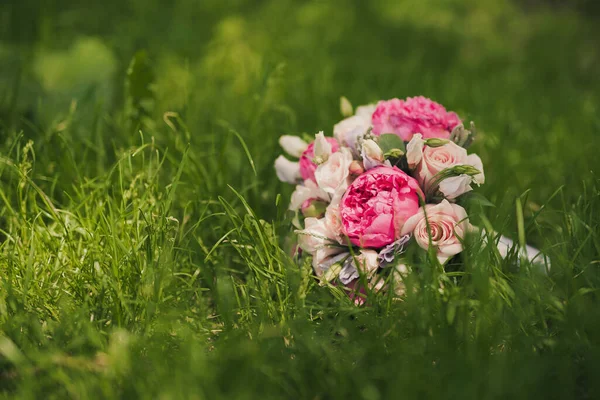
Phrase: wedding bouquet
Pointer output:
(390, 177)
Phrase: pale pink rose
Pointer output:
(334, 172)
(413, 115)
(448, 224)
(427, 162)
(376, 206)
(307, 166)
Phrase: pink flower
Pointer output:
(448, 224)
(428, 162)
(413, 115)
(307, 166)
(376, 206)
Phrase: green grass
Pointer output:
(143, 232)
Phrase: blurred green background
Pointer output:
(130, 268)
(526, 72)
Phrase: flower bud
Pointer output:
(322, 147)
(313, 208)
(356, 168)
(346, 107)
(372, 154)
(394, 153)
(436, 142)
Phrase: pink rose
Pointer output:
(376, 206)
(307, 166)
(448, 223)
(413, 115)
(428, 161)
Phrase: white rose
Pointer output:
(334, 172)
(448, 223)
(293, 145)
(287, 171)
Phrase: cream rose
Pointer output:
(448, 224)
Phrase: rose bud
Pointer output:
(313, 208)
(356, 168)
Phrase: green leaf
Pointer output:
(476, 199)
(139, 92)
(389, 141)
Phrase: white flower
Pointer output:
(315, 235)
(454, 186)
(293, 145)
(322, 148)
(414, 150)
(474, 161)
(366, 111)
(446, 222)
(334, 172)
(308, 191)
(372, 154)
(333, 218)
(287, 171)
(317, 239)
(368, 262)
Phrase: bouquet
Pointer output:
(389, 178)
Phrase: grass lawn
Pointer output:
(143, 232)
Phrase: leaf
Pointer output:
(389, 141)
(475, 198)
(139, 94)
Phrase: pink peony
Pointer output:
(413, 115)
(376, 206)
(307, 166)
